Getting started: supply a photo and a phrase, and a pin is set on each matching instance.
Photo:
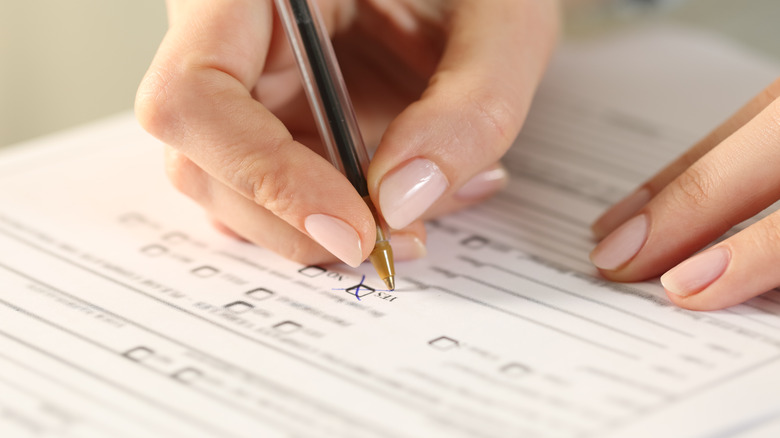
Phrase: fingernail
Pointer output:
(620, 212)
(696, 273)
(407, 246)
(621, 245)
(336, 236)
(406, 193)
(483, 184)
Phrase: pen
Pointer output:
(333, 113)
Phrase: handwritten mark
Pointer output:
(361, 287)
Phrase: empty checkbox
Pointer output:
(260, 294)
(444, 343)
(175, 237)
(312, 271)
(474, 242)
(205, 271)
(154, 250)
(138, 354)
(132, 219)
(239, 307)
(287, 326)
(187, 375)
(515, 370)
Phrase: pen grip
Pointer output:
(325, 89)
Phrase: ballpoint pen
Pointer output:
(333, 113)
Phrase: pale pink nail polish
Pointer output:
(621, 245)
(483, 184)
(620, 212)
(336, 236)
(407, 246)
(695, 274)
(407, 192)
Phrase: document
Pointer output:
(124, 314)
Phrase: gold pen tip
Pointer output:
(390, 283)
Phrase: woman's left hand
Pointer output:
(729, 176)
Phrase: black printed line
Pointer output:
(523, 244)
(537, 322)
(513, 199)
(558, 221)
(751, 318)
(113, 384)
(574, 294)
(769, 298)
(543, 146)
(402, 401)
(269, 385)
(586, 116)
(42, 398)
(524, 226)
(566, 312)
(705, 387)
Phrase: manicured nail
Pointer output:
(696, 273)
(483, 184)
(620, 212)
(621, 245)
(407, 246)
(406, 193)
(336, 236)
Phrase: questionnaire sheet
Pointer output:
(124, 314)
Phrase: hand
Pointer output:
(440, 87)
(729, 176)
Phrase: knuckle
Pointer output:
(495, 119)
(694, 187)
(767, 235)
(267, 185)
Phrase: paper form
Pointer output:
(122, 313)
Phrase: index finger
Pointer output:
(197, 98)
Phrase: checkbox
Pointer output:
(515, 370)
(154, 250)
(312, 271)
(287, 326)
(138, 354)
(132, 219)
(444, 343)
(187, 375)
(360, 290)
(239, 307)
(205, 271)
(260, 294)
(474, 242)
(175, 237)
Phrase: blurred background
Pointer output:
(64, 63)
(67, 62)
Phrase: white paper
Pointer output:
(122, 313)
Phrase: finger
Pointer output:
(196, 97)
(731, 183)
(472, 109)
(628, 206)
(240, 218)
(480, 187)
(224, 229)
(731, 272)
